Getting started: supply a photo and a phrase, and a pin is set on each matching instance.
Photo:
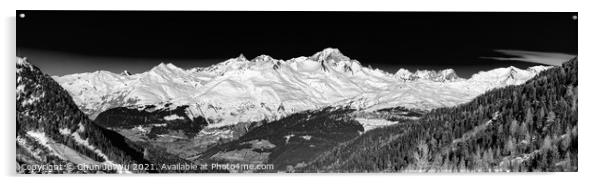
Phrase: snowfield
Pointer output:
(242, 90)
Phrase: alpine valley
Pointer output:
(304, 114)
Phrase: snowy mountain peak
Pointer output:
(126, 73)
(537, 69)
(219, 69)
(329, 54)
(512, 71)
(403, 73)
(432, 75)
(327, 59)
(508, 75)
(449, 74)
(166, 68)
(241, 57)
(440, 76)
(262, 58)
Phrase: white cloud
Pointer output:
(547, 58)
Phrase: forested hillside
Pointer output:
(529, 127)
(293, 141)
(52, 130)
(173, 119)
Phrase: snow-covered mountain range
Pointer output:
(242, 90)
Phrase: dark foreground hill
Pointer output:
(52, 130)
(52, 133)
(529, 127)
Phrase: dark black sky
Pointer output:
(64, 42)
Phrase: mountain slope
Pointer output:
(528, 127)
(52, 130)
(242, 90)
(291, 141)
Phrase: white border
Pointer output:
(589, 74)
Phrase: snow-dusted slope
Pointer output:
(240, 90)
